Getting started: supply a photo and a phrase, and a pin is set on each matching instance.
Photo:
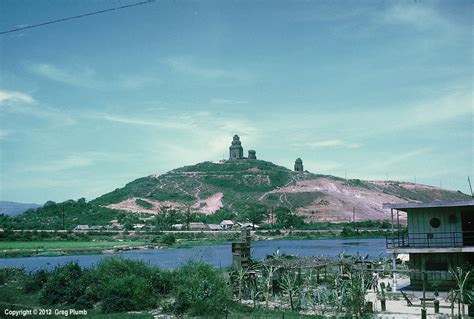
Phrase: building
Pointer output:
(440, 235)
(198, 226)
(298, 165)
(227, 224)
(96, 228)
(214, 227)
(138, 227)
(81, 228)
(247, 225)
(236, 150)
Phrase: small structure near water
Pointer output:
(241, 251)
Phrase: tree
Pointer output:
(287, 219)
(253, 212)
(188, 216)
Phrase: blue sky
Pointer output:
(369, 88)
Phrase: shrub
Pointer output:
(64, 285)
(7, 274)
(200, 290)
(348, 231)
(34, 281)
(111, 268)
(144, 203)
(168, 239)
(121, 285)
(162, 281)
(127, 293)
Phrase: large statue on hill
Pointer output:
(235, 150)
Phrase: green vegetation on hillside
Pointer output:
(242, 182)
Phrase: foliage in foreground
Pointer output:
(200, 290)
(121, 285)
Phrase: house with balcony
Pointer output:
(439, 235)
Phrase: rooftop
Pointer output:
(412, 205)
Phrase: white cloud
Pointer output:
(79, 76)
(187, 66)
(328, 143)
(446, 108)
(227, 101)
(133, 82)
(14, 97)
(418, 15)
(15, 102)
(81, 160)
(162, 122)
(5, 133)
(67, 163)
(85, 76)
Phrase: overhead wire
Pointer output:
(75, 17)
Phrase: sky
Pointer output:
(363, 89)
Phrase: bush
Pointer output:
(144, 203)
(8, 274)
(168, 239)
(162, 281)
(127, 293)
(200, 290)
(34, 281)
(348, 231)
(64, 285)
(122, 285)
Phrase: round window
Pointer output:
(435, 222)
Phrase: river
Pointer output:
(216, 255)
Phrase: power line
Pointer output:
(76, 17)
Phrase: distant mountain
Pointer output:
(13, 208)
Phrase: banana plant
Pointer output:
(462, 277)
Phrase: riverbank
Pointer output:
(117, 243)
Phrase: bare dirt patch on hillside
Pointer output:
(130, 205)
(336, 201)
(209, 205)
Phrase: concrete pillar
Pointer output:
(394, 269)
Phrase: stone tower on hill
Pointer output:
(298, 165)
(252, 154)
(235, 150)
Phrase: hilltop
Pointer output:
(209, 186)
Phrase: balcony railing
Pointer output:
(430, 240)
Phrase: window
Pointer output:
(435, 222)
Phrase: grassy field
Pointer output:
(66, 244)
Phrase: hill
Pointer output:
(14, 208)
(209, 186)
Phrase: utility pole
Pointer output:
(64, 223)
(470, 186)
(353, 217)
